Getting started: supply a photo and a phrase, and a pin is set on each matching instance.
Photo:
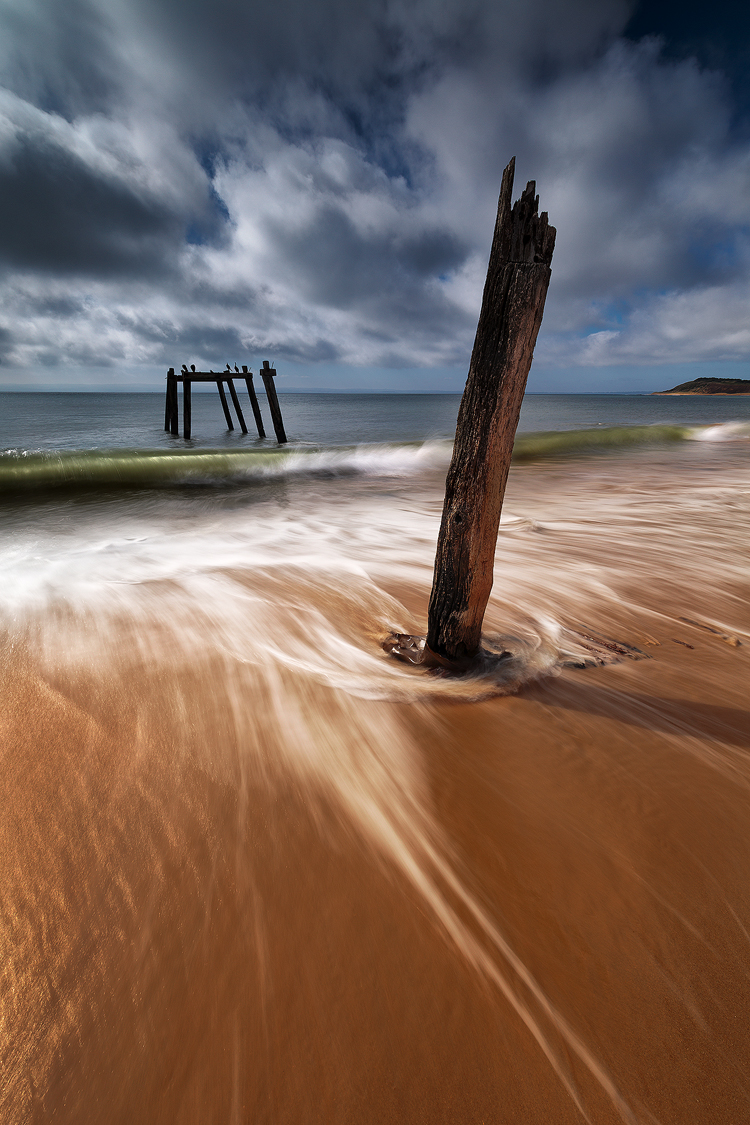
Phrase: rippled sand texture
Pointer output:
(253, 870)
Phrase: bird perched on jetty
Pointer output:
(236, 368)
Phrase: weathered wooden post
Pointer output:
(512, 305)
(267, 374)
(253, 400)
(187, 403)
(236, 401)
(171, 419)
(223, 397)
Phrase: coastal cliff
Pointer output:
(710, 386)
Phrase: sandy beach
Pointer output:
(254, 871)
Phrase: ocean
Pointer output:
(61, 422)
(254, 870)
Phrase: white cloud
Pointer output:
(321, 180)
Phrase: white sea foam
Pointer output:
(316, 572)
(722, 431)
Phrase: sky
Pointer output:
(314, 182)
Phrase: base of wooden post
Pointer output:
(585, 648)
(413, 649)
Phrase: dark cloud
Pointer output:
(64, 208)
(63, 58)
(59, 306)
(308, 351)
(57, 214)
(204, 342)
(716, 35)
(339, 266)
(6, 339)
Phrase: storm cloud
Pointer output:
(193, 182)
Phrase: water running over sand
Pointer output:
(254, 870)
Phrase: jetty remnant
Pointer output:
(268, 374)
(188, 377)
(515, 290)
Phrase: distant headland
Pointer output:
(710, 386)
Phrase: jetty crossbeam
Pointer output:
(188, 377)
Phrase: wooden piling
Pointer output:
(512, 306)
(267, 374)
(167, 402)
(187, 407)
(253, 400)
(171, 420)
(223, 397)
(237, 407)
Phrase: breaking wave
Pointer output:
(23, 471)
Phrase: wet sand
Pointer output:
(236, 889)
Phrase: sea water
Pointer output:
(52, 421)
(68, 441)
